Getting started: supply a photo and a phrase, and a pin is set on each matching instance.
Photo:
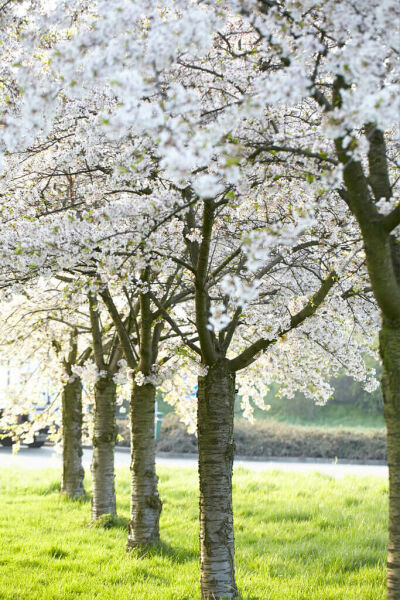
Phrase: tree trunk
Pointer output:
(390, 354)
(216, 398)
(104, 436)
(73, 473)
(145, 501)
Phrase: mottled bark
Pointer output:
(216, 397)
(390, 354)
(104, 436)
(383, 262)
(73, 473)
(145, 501)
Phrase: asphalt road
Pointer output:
(46, 457)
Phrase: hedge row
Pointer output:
(266, 439)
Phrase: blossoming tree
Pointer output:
(267, 119)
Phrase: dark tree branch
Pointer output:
(392, 220)
(206, 337)
(120, 327)
(167, 317)
(377, 162)
(96, 333)
(249, 355)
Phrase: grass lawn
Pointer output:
(330, 415)
(306, 412)
(299, 537)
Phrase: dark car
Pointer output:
(39, 438)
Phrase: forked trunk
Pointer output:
(216, 398)
(145, 501)
(104, 436)
(73, 473)
(390, 354)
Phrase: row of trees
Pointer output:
(201, 191)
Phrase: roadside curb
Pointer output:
(279, 459)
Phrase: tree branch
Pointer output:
(96, 333)
(248, 356)
(173, 325)
(392, 220)
(206, 337)
(120, 327)
(377, 162)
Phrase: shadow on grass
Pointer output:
(79, 500)
(355, 564)
(110, 521)
(57, 552)
(175, 554)
(45, 490)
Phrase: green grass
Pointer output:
(303, 411)
(299, 537)
(331, 416)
